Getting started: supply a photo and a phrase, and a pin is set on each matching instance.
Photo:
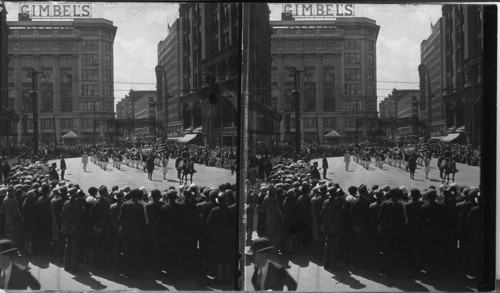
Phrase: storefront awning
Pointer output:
(450, 137)
(70, 134)
(333, 134)
(187, 138)
(173, 138)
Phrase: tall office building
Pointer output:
(8, 119)
(462, 67)
(168, 79)
(338, 90)
(76, 87)
(431, 52)
(209, 56)
(263, 118)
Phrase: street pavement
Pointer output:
(135, 178)
(310, 274)
(52, 275)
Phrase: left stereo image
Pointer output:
(119, 134)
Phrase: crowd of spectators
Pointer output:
(382, 228)
(129, 230)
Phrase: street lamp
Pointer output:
(295, 76)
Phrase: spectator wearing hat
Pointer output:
(432, 217)
(375, 241)
(273, 217)
(56, 205)
(391, 220)
(30, 221)
(450, 229)
(190, 228)
(170, 227)
(252, 199)
(261, 212)
(316, 206)
(72, 230)
(267, 275)
(3, 194)
(14, 276)
(473, 236)
(101, 219)
(53, 173)
(359, 217)
(205, 241)
(62, 165)
(153, 209)
(305, 215)
(220, 228)
(87, 240)
(114, 210)
(347, 160)
(45, 218)
(5, 171)
(413, 229)
(13, 221)
(133, 229)
(463, 209)
(331, 213)
(314, 171)
(290, 219)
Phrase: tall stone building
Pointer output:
(168, 79)
(76, 88)
(338, 88)
(462, 67)
(8, 119)
(431, 52)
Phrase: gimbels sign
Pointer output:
(319, 9)
(51, 10)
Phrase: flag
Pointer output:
(162, 148)
(424, 148)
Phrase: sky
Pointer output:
(141, 26)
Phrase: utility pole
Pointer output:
(356, 107)
(94, 125)
(33, 73)
(295, 74)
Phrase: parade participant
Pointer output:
(412, 165)
(14, 276)
(441, 166)
(347, 160)
(451, 168)
(85, 160)
(444, 167)
(62, 166)
(150, 166)
(189, 170)
(164, 164)
(267, 275)
(324, 166)
(179, 163)
(427, 166)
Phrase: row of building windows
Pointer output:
(88, 106)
